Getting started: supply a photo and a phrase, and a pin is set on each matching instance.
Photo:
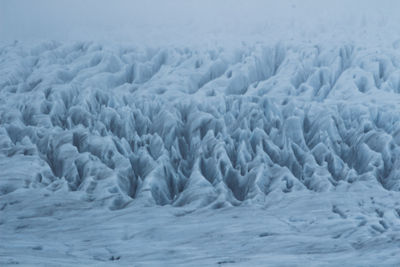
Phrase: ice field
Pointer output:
(264, 148)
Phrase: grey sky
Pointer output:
(147, 19)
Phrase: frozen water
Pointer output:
(85, 126)
(179, 126)
(265, 152)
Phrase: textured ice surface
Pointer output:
(304, 138)
(183, 146)
(214, 126)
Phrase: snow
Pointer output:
(281, 151)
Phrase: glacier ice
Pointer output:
(188, 133)
(210, 126)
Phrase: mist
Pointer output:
(170, 21)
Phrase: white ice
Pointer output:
(261, 143)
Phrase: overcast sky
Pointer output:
(133, 20)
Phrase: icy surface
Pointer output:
(295, 135)
(180, 126)
(284, 151)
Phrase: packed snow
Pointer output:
(279, 152)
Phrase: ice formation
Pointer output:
(211, 126)
(199, 133)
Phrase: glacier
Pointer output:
(277, 126)
(178, 126)
(200, 140)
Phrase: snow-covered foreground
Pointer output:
(279, 154)
(354, 228)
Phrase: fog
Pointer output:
(166, 21)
